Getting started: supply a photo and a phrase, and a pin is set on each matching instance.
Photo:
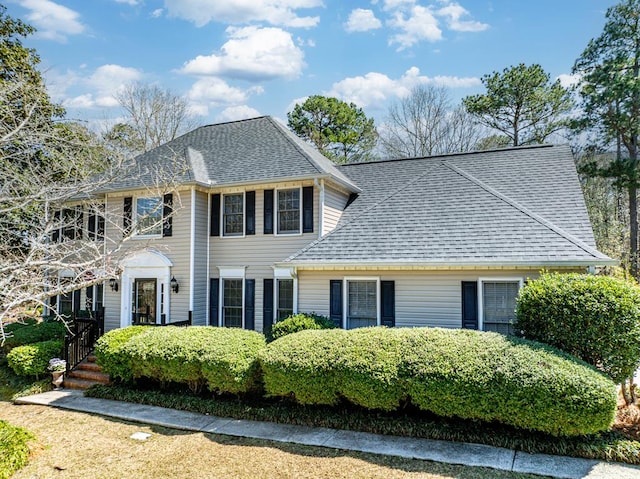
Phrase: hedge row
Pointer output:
(223, 360)
(33, 359)
(300, 322)
(468, 374)
(35, 333)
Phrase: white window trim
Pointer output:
(284, 273)
(230, 272)
(136, 234)
(277, 212)
(498, 279)
(345, 297)
(244, 215)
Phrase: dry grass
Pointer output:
(76, 445)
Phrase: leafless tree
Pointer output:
(424, 123)
(155, 116)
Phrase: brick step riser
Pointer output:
(89, 367)
(90, 376)
(71, 383)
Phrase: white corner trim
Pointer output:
(321, 212)
(208, 295)
(192, 258)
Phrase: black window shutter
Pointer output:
(100, 228)
(76, 301)
(91, 226)
(127, 214)
(388, 303)
(470, 304)
(167, 217)
(55, 235)
(335, 301)
(89, 300)
(249, 304)
(214, 294)
(307, 209)
(215, 215)
(267, 306)
(250, 209)
(268, 212)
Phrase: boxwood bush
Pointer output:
(596, 318)
(222, 359)
(300, 322)
(468, 374)
(111, 356)
(45, 331)
(33, 359)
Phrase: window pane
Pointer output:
(499, 305)
(232, 303)
(233, 218)
(285, 298)
(149, 215)
(362, 304)
(289, 211)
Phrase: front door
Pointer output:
(145, 297)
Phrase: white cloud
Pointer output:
(53, 21)
(157, 13)
(275, 12)
(253, 54)
(418, 24)
(240, 112)
(361, 20)
(214, 93)
(569, 80)
(453, 12)
(103, 85)
(374, 89)
(129, 2)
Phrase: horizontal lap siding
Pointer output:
(422, 298)
(334, 203)
(259, 252)
(201, 282)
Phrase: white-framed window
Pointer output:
(361, 302)
(149, 216)
(284, 298)
(233, 212)
(96, 222)
(231, 299)
(497, 303)
(71, 223)
(289, 211)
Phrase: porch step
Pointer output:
(85, 375)
(75, 383)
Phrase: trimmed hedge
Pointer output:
(468, 374)
(33, 359)
(45, 331)
(596, 318)
(222, 359)
(11, 327)
(300, 322)
(110, 354)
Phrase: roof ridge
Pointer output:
(285, 134)
(362, 213)
(523, 209)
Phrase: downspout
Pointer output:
(192, 259)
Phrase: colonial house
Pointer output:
(259, 225)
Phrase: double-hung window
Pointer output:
(233, 215)
(149, 216)
(288, 202)
(499, 304)
(284, 299)
(362, 303)
(232, 302)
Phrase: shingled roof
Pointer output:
(258, 150)
(518, 206)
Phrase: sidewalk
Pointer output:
(425, 449)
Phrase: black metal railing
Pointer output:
(84, 330)
(144, 319)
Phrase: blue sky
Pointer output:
(241, 58)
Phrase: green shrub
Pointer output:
(596, 318)
(110, 355)
(300, 322)
(33, 359)
(14, 444)
(467, 374)
(45, 331)
(222, 359)
(11, 327)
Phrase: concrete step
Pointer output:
(88, 375)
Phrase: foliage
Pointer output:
(13, 386)
(11, 327)
(110, 354)
(424, 123)
(33, 359)
(57, 365)
(300, 322)
(521, 103)
(467, 374)
(596, 318)
(45, 331)
(339, 130)
(14, 444)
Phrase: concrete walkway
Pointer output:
(426, 449)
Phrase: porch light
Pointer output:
(175, 287)
(113, 284)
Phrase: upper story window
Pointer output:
(96, 223)
(233, 215)
(288, 202)
(149, 216)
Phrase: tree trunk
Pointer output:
(633, 230)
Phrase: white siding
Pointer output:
(201, 281)
(334, 203)
(429, 298)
